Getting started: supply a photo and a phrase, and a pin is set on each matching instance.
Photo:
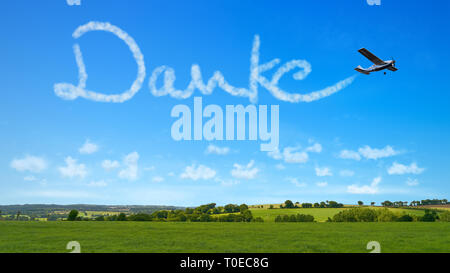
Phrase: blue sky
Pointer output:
(382, 137)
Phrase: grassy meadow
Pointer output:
(223, 237)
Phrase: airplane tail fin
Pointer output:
(361, 70)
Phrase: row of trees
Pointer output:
(203, 213)
(425, 202)
(288, 204)
(386, 215)
(295, 218)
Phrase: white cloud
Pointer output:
(280, 166)
(30, 178)
(323, 172)
(412, 182)
(131, 170)
(29, 163)
(227, 183)
(171, 174)
(292, 155)
(195, 173)
(212, 149)
(98, 184)
(157, 179)
(398, 168)
(88, 148)
(347, 154)
(296, 182)
(366, 189)
(373, 153)
(275, 154)
(72, 169)
(346, 173)
(244, 171)
(110, 164)
(295, 154)
(316, 148)
(73, 2)
(322, 184)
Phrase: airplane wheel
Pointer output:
(384, 73)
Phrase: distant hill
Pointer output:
(42, 210)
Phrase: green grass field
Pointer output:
(223, 237)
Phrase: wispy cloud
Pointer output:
(30, 178)
(244, 171)
(373, 153)
(347, 154)
(97, 184)
(194, 172)
(346, 173)
(73, 2)
(228, 182)
(412, 182)
(323, 171)
(400, 169)
(295, 182)
(110, 164)
(157, 179)
(72, 169)
(366, 189)
(368, 153)
(315, 148)
(212, 149)
(29, 163)
(88, 148)
(130, 172)
(322, 184)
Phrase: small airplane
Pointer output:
(378, 63)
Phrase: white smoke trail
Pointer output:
(70, 92)
(256, 69)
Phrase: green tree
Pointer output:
(121, 217)
(247, 215)
(288, 204)
(72, 215)
(243, 207)
(445, 216)
(430, 216)
(360, 203)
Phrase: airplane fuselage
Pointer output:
(376, 67)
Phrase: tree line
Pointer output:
(203, 213)
(385, 215)
(288, 204)
(425, 202)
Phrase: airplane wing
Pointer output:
(371, 57)
(392, 68)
